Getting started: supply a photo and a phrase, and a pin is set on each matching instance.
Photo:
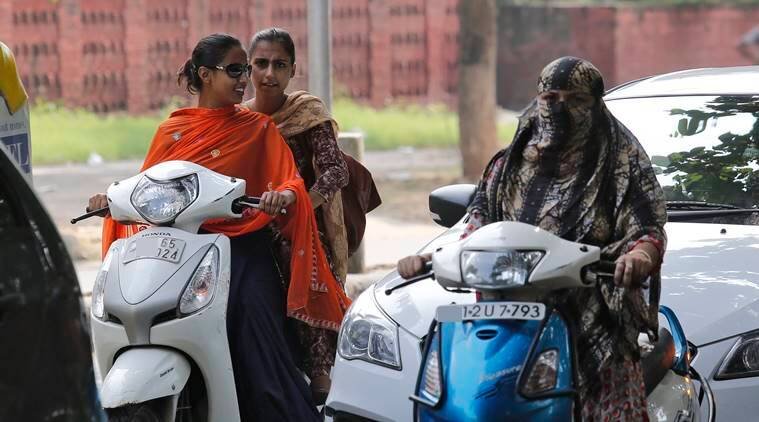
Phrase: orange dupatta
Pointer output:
(247, 145)
(301, 112)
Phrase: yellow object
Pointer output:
(11, 87)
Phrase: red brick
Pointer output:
(382, 49)
(70, 53)
(380, 57)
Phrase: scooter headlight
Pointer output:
(368, 335)
(200, 290)
(742, 360)
(498, 269)
(98, 289)
(160, 202)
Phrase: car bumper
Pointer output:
(735, 398)
(365, 391)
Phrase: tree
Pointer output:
(725, 173)
(478, 136)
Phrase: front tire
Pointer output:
(139, 412)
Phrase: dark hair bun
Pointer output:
(209, 52)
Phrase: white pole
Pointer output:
(320, 50)
(320, 84)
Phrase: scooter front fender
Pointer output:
(142, 374)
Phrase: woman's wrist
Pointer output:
(649, 250)
(290, 197)
(316, 198)
(643, 253)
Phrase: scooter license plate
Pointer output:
(491, 310)
(163, 248)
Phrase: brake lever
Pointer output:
(428, 274)
(89, 214)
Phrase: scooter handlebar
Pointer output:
(604, 270)
(249, 202)
(598, 271)
(88, 214)
(606, 267)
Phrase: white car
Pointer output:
(701, 129)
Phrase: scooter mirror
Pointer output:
(448, 204)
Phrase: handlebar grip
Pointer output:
(250, 202)
(598, 271)
(251, 199)
(606, 266)
(427, 266)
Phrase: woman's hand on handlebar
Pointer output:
(97, 202)
(633, 268)
(413, 265)
(272, 202)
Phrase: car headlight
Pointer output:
(742, 360)
(368, 335)
(200, 290)
(498, 269)
(160, 202)
(98, 289)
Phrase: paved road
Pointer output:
(64, 191)
(65, 188)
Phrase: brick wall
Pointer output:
(625, 43)
(124, 54)
(531, 37)
(38, 49)
(650, 41)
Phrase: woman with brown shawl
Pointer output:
(576, 171)
(311, 133)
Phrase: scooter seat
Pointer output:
(658, 361)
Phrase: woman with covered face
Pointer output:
(576, 171)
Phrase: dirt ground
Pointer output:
(407, 200)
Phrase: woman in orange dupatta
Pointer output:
(311, 134)
(237, 142)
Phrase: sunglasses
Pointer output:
(235, 70)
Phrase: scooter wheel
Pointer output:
(140, 412)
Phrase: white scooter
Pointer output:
(160, 298)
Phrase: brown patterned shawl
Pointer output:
(301, 112)
(578, 172)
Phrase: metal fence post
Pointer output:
(352, 143)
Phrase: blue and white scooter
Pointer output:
(510, 355)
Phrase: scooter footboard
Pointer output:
(142, 374)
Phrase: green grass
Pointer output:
(62, 135)
(412, 125)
